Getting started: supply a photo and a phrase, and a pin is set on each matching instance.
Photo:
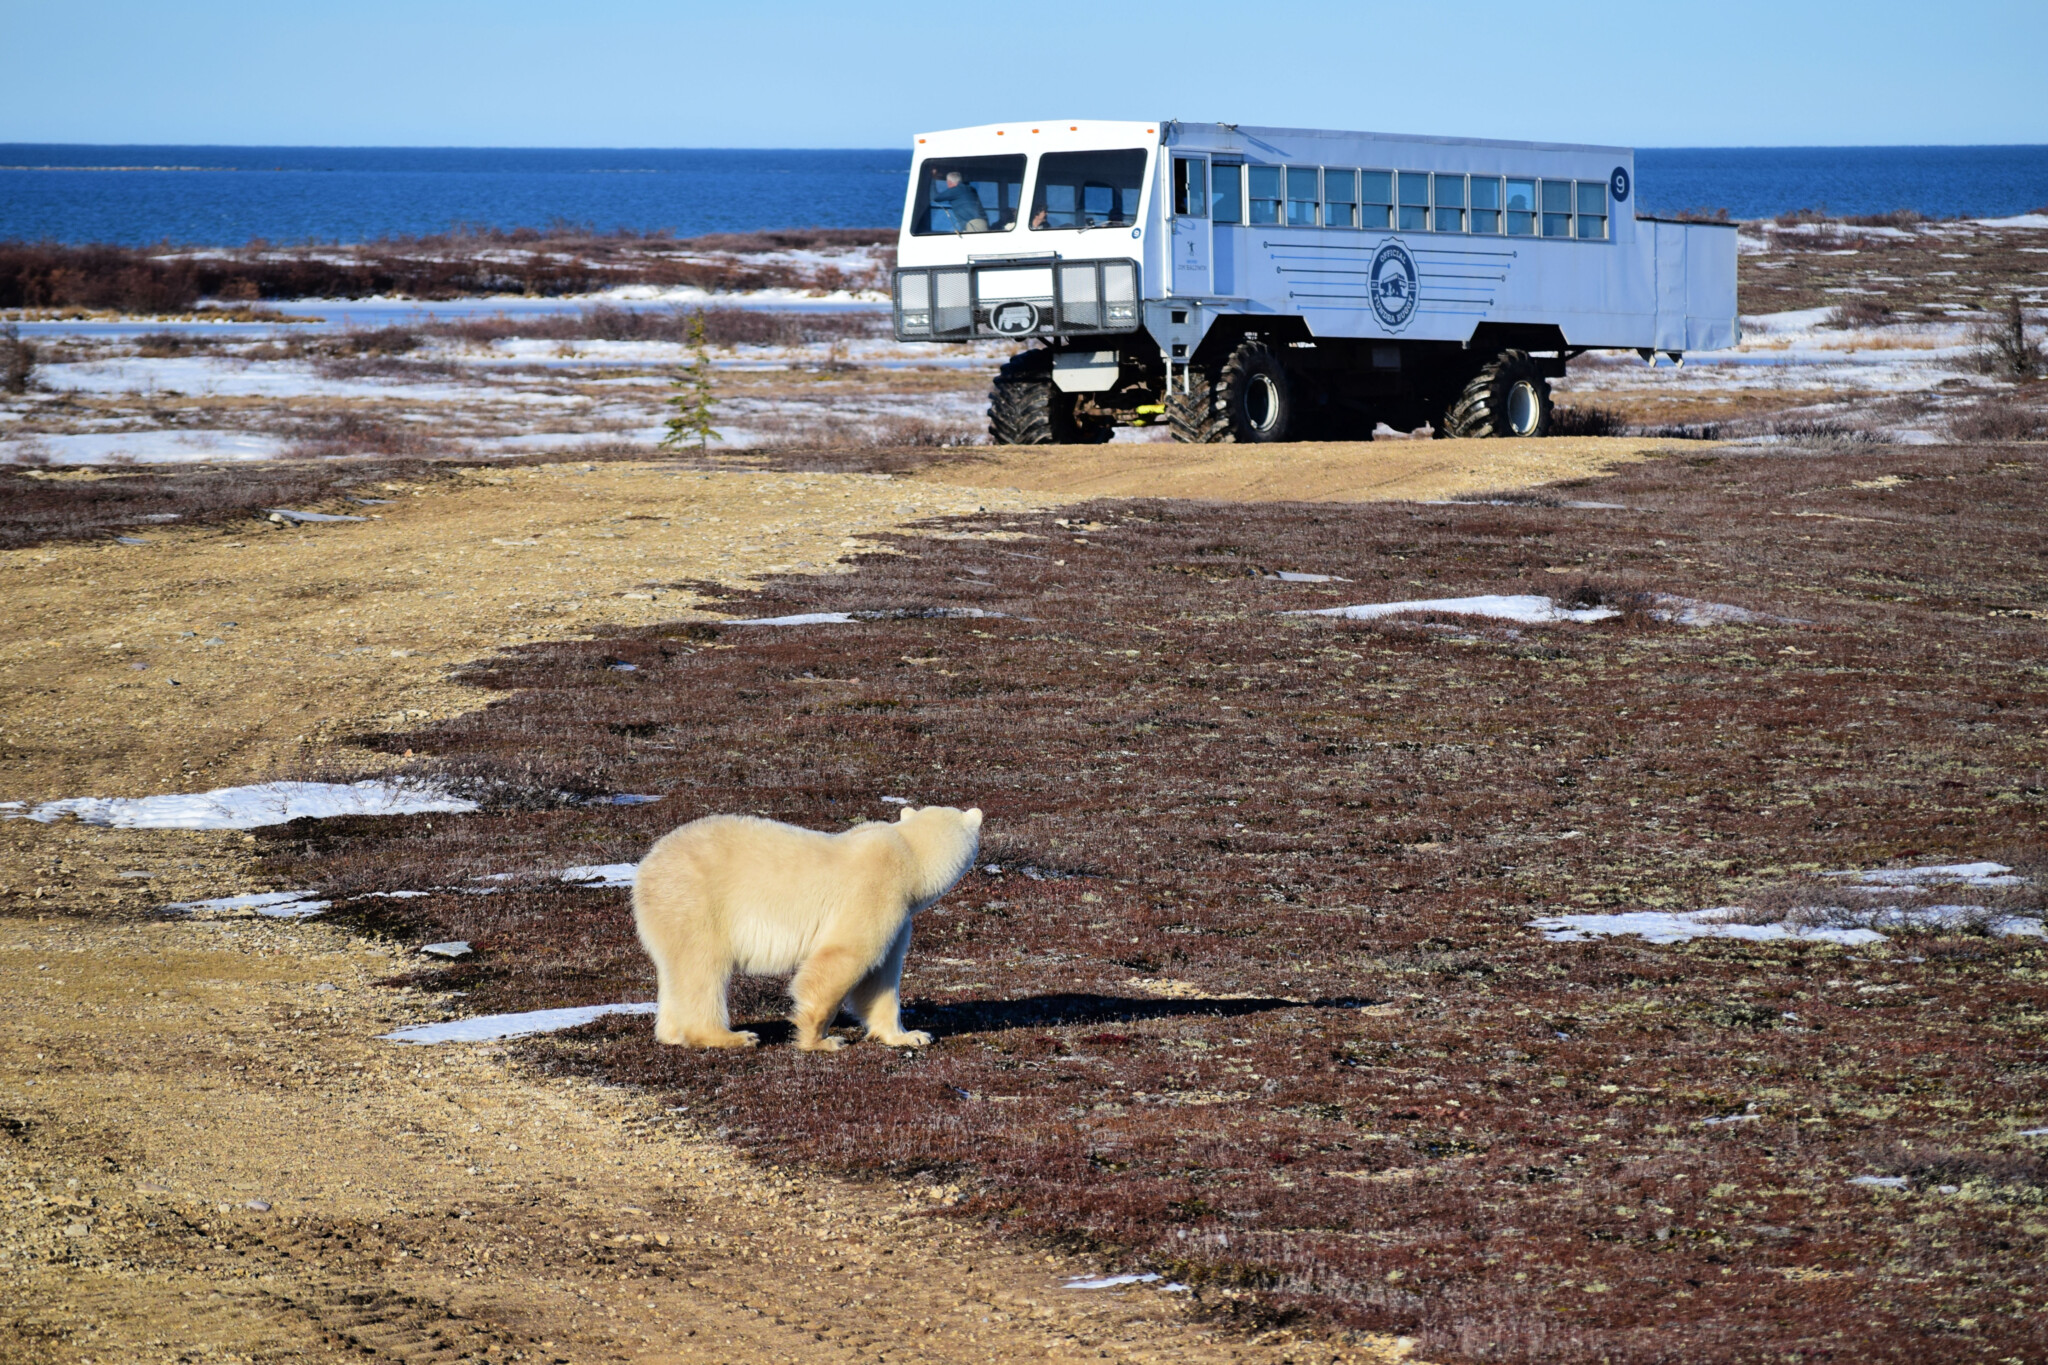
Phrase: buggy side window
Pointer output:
(1557, 208)
(967, 194)
(1486, 203)
(1376, 209)
(1227, 201)
(1414, 186)
(1304, 196)
(1521, 208)
(1265, 194)
(1081, 190)
(1450, 203)
(1190, 188)
(1592, 210)
(1340, 198)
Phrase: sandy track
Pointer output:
(1313, 471)
(157, 1076)
(164, 1080)
(226, 655)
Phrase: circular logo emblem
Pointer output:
(1394, 286)
(1617, 184)
(1015, 319)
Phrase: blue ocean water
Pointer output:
(230, 195)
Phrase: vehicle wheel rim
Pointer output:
(1261, 403)
(1522, 408)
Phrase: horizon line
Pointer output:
(579, 147)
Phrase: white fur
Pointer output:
(737, 893)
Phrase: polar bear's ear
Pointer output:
(904, 813)
(972, 819)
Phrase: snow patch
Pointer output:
(265, 803)
(601, 874)
(1114, 1281)
(805, 618)
(1968, 874)
(1687, 611)
(276, 904)
(143, 447)
(1657, 926)
(1867, 924)
(841, 618)
(490, 1027)
(1527, 610)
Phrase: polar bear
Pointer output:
(737, 893)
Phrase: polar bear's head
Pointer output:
(943, 841)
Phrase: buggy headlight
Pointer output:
(1121, 312)
(914, 301)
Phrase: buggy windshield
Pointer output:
(1082, 190)
(967, 194)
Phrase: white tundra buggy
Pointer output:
(1271, 284)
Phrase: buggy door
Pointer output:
(1190, 275)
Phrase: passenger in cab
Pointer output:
(958, 198)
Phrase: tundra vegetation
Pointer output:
(564, 259)
(1245, 991)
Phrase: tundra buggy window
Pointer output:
(1227, 205)
(1265, 194)
(1592, 210)
(1304, 196)
(1557, 208)
(967, 194)
(1414, 201)
(1450, 203)
(1378, 204)
(1521, 208)
(1088, 189)
(1190, 188)
(1340, 198)
(1486, 203)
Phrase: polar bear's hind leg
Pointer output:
(690, 987)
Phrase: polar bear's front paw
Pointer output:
(913, 1038)
(824, 1043)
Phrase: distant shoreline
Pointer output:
(136, 195)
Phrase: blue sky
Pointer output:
(795, 73)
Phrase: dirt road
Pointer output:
(205, 1152)
(1310, 471)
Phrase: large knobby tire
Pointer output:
(1193, 417)
(1025, 409)
(1247, 401)
(1510, 397)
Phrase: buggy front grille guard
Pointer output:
(944, 303)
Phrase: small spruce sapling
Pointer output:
(694, 399)
(17, 360)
